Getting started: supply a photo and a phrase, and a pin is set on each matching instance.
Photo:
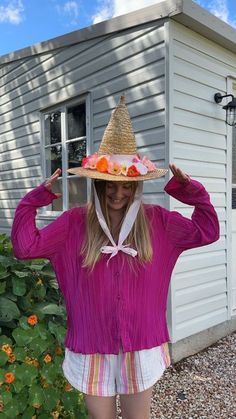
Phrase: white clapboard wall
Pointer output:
(200, 292)
(130, 61)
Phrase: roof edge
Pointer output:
(205, 23)
(152, 13)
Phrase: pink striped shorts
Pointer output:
(109, 374)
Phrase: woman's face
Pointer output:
(118, 195)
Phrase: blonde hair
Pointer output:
(139, 237)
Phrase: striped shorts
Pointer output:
(109, 374)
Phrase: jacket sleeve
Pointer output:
(28, 241)
(202, 228)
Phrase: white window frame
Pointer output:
(87, 99)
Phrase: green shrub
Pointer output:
(32, 327)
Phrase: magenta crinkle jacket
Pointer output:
(114, 303)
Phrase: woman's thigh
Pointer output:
(136, 406)
(100, 407)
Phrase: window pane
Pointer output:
(77, 191)
(53, 159)
(57, 203)
(76, 121)
(52, 124)
(234, 198)
(76, 152)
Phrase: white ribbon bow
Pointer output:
(126, 225)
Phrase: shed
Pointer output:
(169, 59)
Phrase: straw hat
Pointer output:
(117, 158)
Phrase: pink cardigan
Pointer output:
(115, 304)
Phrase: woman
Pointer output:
(113, 260)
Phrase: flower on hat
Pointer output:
(150, 166)
(102, 164)
(90, 161)
(133, 171)
(114, 168)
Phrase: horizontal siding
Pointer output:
(131, 61)
(199, 146)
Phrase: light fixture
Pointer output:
(230, 108)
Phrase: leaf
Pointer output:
(6, 397)
(2, 287)
(36, 396)
(38, 346)
(5, 340)
(51, 397)
(8, 310)
(18, 286)
(49, 308)
(28, 413)
(21, 274)
(58, 331)
(11, 409)
(69, 400)
(20, 354)
(3, 358)
(22, 337)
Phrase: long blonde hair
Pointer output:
(139, 236)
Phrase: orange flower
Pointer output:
(9, 377)
(47, 358)
(32, 320)
(7, 348)
(67, 387)
(102, 165)
(39, 282)
(58, 350)
(11, 358)
(133, 171)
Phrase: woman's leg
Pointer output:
(101, 407)
(136, 406)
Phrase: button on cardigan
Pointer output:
(115, 303)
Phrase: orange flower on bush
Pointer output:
(9, 377)
(7, 348)
(58, 350)
(102, 165)
(67, 387)
(39, 282)
(133, 171)
(11, 358)
(32, 320)
(47, 358)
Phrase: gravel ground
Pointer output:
(201, 386)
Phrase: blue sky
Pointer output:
(26, 22)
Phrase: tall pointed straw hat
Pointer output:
(117, 158)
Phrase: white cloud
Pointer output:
(12, 12)
(103, 11)
(125, 6)
(70, 9)
(219, 8)
(110, 8)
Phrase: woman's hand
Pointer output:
(180, 176)
(51, 180)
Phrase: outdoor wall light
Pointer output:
(230, 108)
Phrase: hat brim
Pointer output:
(94, 174)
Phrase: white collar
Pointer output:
(126, 225)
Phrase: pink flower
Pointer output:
(114, 168)
(135, 160)
(90, 161)
(149, 165)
